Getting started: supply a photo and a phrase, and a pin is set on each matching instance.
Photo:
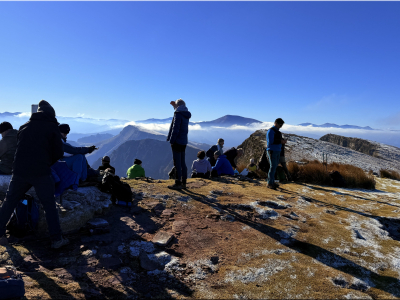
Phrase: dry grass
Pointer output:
(389, 174)
(318, 173)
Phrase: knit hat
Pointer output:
(106, 159)
(5, 126)
(217, 153)
(137, 161)
(46, 108)
(64, 128)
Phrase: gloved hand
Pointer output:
(92, 148)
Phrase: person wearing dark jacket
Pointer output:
(8, 146)
(39, 146)
(222, 167)
(232, 154)
(210, 152)
(75, 156)
(274, 147)
(105, 164)
(178, 137)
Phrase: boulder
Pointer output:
(162, 238)
(78, 207)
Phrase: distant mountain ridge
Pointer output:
(332, 125)
(132, 132)
(225, 121)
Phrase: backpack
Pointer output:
(120, 191)
(337, 179)
(25, 217)
(172, 173)
(263, 163)
(11, 283)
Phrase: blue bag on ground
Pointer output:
(11, 284)
(25, 218)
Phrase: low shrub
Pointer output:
(384, 173)
(318, 173)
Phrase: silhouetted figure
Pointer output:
(39, 147)
(178, 137)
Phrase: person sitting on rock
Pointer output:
(39, 147)
(233, 154)
(75, 156)
(105, 165)
(252, 168)
(222, 166)
(8, 146)
(201, 167)
(211, 151)
(136, 170)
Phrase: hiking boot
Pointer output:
(60, 243)
(176, 186)
(272, 187)
(184, 184)
(3, 241)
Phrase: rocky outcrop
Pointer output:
(299, 148)
(355, 144)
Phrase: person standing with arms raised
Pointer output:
(274, 146)
(178, 137)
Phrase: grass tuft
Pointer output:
(318, 173)
(384, 173)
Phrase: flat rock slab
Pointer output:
(179, 225)
(163, 238)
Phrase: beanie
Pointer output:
(46, 108)
(106, 159)
(137, 161)
(64, 128)
(5, 126)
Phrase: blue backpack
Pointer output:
(25, 218)
(11, 284)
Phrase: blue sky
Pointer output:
(314, 62)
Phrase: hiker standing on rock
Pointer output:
(39, 147)
(178, 137)
(8, 146)
(274, 147)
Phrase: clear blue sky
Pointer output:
(302, 61)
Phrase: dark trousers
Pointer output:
(44, 187)
(178, 155)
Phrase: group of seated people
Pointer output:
(74, 157)
(215, 162)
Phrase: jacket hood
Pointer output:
(222, 156)
(46, 108)
(184, 111)
(41, 116)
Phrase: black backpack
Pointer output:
(263, 163)
(337, 179)
(25, 218)
(119, 190)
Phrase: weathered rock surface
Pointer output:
(162, 238)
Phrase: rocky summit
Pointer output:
(226, 239)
